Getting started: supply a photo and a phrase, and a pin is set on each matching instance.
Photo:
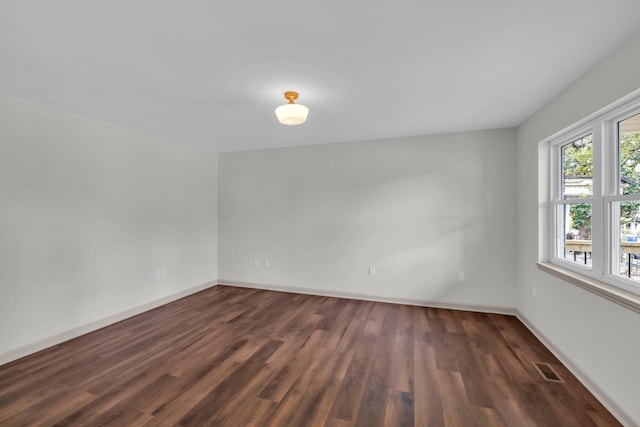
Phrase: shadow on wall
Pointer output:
(417, 233)
(421, 210)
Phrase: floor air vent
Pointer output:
(232, 291)
(547, 372)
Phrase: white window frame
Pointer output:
(604, 205)
(557, 201)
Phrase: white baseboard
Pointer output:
(45, 343)
(338, 294)
(582, 376)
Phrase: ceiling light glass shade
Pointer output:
(292, 114)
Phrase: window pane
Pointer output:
(629, 155)
(576, 227)
(577, 168)
(629, 240)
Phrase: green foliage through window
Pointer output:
(577, 158)
(581, 220)
(629, 175)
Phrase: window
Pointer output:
(595, 199)
(574, 200)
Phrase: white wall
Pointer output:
(600, 337)
(419, 209)
(88, 212)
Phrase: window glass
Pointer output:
(630, 240)
(577, 168)
(629, 155)
(576, 226)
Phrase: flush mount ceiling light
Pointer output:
(292, 114)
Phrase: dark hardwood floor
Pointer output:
(241, 357)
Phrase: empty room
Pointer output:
(320, 214)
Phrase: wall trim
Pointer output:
(56, 339)
(581, 375)
(612, 293)
(367, 297)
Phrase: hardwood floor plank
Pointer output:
(486, 417)
(351, 390)
(473, 373)
(298, 361)
(254, 413)
(14, 412)
(399, 410)
(318, 400)
(373, 404)
(55, 413)
(244, 357)
(427, 400)
(402, 370)
(445, 355)
(198, 382)
(300, 403)
(213, 402)
(456, 409)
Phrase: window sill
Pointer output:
(612, 293)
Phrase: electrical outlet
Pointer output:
(256, 263)
(160, 274)
(461, 276)
(266, 263)
(372, 271)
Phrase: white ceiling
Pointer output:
(211, 72)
